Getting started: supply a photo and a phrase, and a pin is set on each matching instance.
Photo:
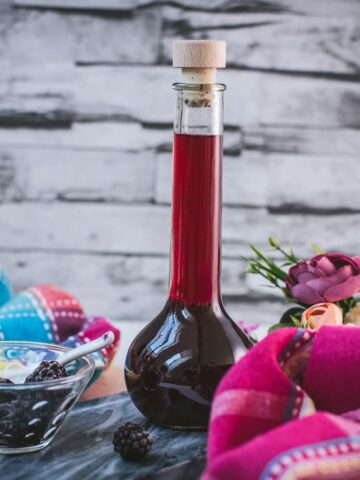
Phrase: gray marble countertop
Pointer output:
(83, 449)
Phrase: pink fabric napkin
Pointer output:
(289, 409)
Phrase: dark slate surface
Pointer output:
(83, 449)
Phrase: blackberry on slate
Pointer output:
(47, 370)
(132, 441)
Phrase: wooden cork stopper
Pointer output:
(199, 54)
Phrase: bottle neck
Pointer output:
(196, 202)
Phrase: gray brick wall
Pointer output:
(85, 141)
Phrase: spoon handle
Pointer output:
(101, 342)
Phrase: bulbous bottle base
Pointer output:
(175, 363)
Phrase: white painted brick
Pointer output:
(291, 140)
(145, 93)
(321, 7)
(48, 174)
(269, 41)
(315, 182)
(145, 229)
(106, 135)
(35, 36)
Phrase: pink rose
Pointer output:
(325, 278)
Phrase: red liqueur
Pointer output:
(176, 362)
(196, 219)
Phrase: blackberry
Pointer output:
(47, 370)
(19, 424)
(132, 441)
(26, 416)
(6, 380)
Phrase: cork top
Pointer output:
(199, 53)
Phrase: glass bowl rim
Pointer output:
(89, 367)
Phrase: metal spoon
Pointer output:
(19, 375)
(90, 347)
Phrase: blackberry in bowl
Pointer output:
(35, 394)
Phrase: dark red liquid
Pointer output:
(196, 219)
(176, 362)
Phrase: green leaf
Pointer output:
(316, 248)
(347, 304)
(273, 267)
(291, 258)
(273, 243)
(277, 326)
(295, 321)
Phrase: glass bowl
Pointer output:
(31, 414)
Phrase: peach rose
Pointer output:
(321, 314)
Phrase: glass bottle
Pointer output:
(175, 363)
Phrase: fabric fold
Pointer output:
(271, 417)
